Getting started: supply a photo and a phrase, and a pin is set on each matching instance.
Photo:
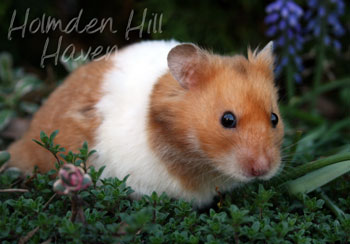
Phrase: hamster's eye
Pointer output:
(228, 120)
(274, 120)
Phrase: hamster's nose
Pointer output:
(259, 167)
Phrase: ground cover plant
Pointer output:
(32, 212)
(308, 202)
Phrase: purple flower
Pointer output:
(275, 6)
(336, 45)
(294, 8)
(323, 19)
(283, 20)
(272, 18)
(321, 11)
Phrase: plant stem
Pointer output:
(290, 82)
(334, 208)
(29, 235)
(49, 201)
(55, 155)
(319, 61)
(308, 167)
(13, 190)
(311, 96)
(77, 209)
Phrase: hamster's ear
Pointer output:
(186, 63)
(265, 56)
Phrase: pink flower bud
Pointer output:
(71, 178)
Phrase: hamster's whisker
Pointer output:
(293, 144)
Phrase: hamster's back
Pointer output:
(78, 107)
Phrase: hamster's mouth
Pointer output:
(244, 177)
(241, 177)
(231, 168)
(235, 174)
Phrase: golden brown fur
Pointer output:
(183, 124)
(177, 116)
(70, 109)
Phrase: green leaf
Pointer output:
(6, 67)
(78, 162)
(53, 135)
(25, 85)
(91, 152)
(5, 117)
(85, 145)
(100, 171)
(317, 178)
(4, 157)
(38, 142)
(86, 180)
(44, 138)
(28, 107)
(345, 95)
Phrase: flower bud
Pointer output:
(71, 179)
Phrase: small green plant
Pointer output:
(72, 175)
(104, 212)
(47, 143)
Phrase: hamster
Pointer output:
(174, 117)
